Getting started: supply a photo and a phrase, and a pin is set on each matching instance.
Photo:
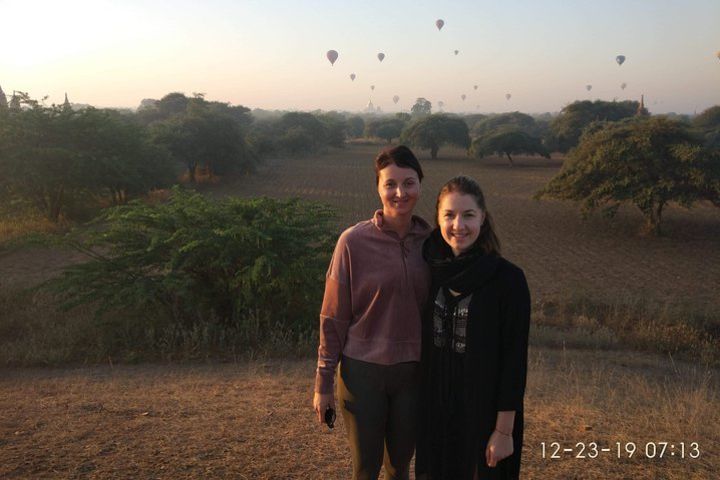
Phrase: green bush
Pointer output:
(243, 268)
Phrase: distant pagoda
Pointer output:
(14, 103)
(3, 100)
(66, 104)
(641, 110)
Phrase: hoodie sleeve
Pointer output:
(335, 316)
(515, 311)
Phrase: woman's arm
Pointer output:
(335, 316)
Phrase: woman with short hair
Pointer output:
(375, 292)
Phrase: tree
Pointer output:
(336, 128)
(708, 124)
(648, 162)
(207, 136)
(513, 120)
(53, 157)
(508, 141)
(421, 108)
(436, 130)
(306, 124)
(356, 126)
(569, 125)
(200, 261)
(385, 128)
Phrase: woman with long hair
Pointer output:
(474, 345)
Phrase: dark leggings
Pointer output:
(379, 405)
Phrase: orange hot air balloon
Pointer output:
(396, 99)
(381, 56)
(332, 55)
(439, 23)
(352, 77)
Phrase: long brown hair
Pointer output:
(487, 240)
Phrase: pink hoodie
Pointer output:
(375, 291)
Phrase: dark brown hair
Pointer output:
(487, 240)
(401, 156)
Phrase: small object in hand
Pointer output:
(330, 417)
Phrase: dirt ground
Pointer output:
(254, 421)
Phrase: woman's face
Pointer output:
(460, 219)
(399, 189)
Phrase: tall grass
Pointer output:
(578, 319)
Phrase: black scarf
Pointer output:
(465, 273)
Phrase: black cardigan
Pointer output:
(495, 371)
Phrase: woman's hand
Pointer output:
(499, 446)
(321, 402)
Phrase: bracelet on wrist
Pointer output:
(503, 433)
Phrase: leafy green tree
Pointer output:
(53, 157)
(436, 130)
(205, 136)
(421, 108)
(708, 124)
(298, 141)
(385, 128)
(569, 125)
(356, 126)
(508, 141)
(235, 262)
(336, 128)
(297, 126)
(512, 120)
(648, 162)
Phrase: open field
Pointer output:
(254, 421)
(548, 239)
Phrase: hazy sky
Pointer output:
(271, 53)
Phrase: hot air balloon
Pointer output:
(352, 77)
(463, 96)
(475, 87)
(439, 23)
(441, 104)
(588, 87)
(620, 59)
(457, 51)
(507, 96)
(396, 99)
(372, 87)
(381, 56)
(332, 55)
(623, 85)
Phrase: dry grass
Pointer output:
(253, 420)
